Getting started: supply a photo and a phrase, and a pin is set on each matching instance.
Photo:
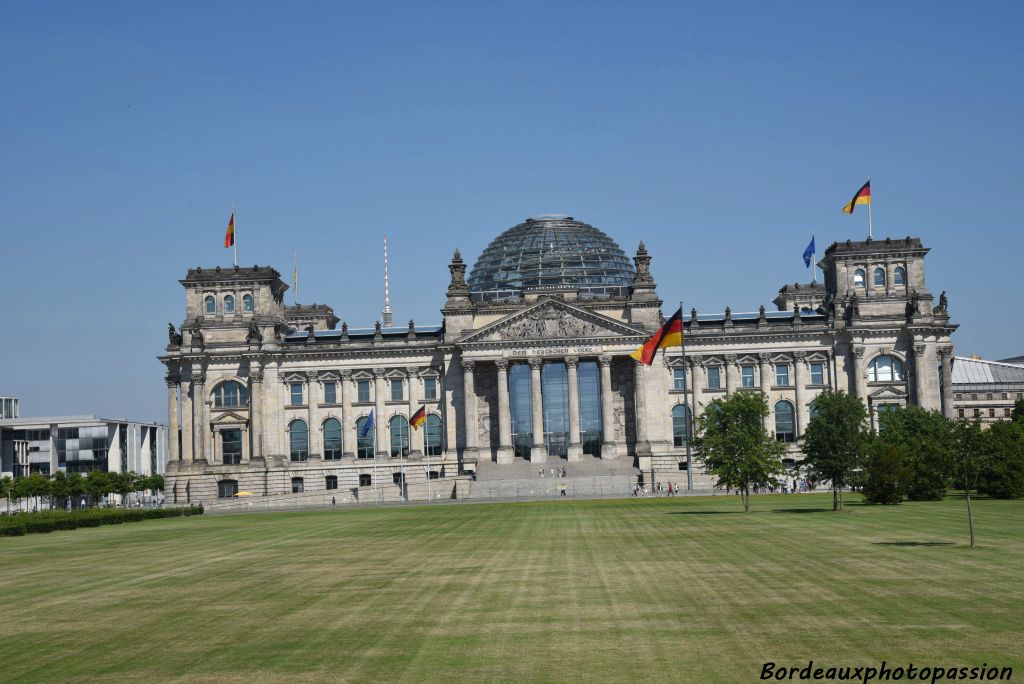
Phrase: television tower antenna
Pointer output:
(386, 319)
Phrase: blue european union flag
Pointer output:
(367, 426)
(809, 253)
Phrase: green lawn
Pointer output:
(667, 590)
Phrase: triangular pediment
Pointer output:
(229, 418)
(888, 393)
(550, 319)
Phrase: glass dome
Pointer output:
(551, 251)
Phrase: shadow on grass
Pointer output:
(802, 510)
(914, 543)
(703, 512)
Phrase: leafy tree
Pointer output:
(926, 437)
(1017, 415)
(76, 486)
(836, 440)
(969, 457)
(155, 483)
(6, 489)
(888, 473)
(59, 488)
(98, 484)
(1003, 474)
(33, 486)
(733, 444)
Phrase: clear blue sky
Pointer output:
(723, 136)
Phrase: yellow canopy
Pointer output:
(244, 493)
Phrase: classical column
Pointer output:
(609, 449)
(538, 450)
(731, 381)
(946, 354)
(575, 450)
(313, 411)
(348, 432)
(380, 424)
(921, 376)
(199, 425)
(469, 406)
(172, 417)
(187, 453)
(506, 454)
(643, 444)
(764, 359)
(860, 375)
(256, 412)
(800, 378)
(696, 380)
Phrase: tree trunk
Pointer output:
(835, 499)
(746, 499)
(970, 517)
(840, 499)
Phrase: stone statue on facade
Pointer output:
(253, 336)
(310, 334)
(943, 306)
(197, 335)
(173, 337)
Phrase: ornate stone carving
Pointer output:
(762, 317)
(345, 374)
(764, 357)
(254, 336)
(605, 360)
(945, 352)
(858, 352)
(643, 277)
(457, 287)
(378, 372)
(412, 330)
(256, 374)
(536, 363)
(197, 335)
(546, 323)
(800, 356)
(730, 359)
(942, 308)
(173, 338)
(344, 330)
(172, 378)
(468, 365)
(572, 361)
(918, 350)
(483, 421)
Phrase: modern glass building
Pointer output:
(8, 408)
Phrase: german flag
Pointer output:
(863, 196)
(670, 335)
(418, 418)
(229, 237)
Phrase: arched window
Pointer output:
(229, 304)
(227, 489)
(247, 303)
(899, 276)
(886, 368)
(812, 410)
(858, 277)
(298, 440)
(432, 436)
(365, 436)
(332, 439)
(365, 480)
(230, 394)
(681, 425)
(398, 427)
(879, 277)
(211, 305)
(785, 426)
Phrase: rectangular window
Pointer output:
(330, 393)
(1006, 412)
(1005, 396)
(363, 391)
(297, 485)
(679, 378)
(296, 394)
(781, 375)
(959, 396)
(231, 446)
(331, 482)
(960, 413)
(992, 413)
(747, 375)
(714, 377)
(817, 373)
(988, 396)
(977, 413)
(430, 388)
(396, 390)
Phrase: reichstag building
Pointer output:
(530, 366)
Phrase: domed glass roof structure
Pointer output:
(551, 251)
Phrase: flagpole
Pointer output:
(814, 262)
(234, 237)
(869, 213)
(426, 448)
(686, 401)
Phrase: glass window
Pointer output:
(859, 277)
(886, 368)
(330, 393)
(398, 427)
(332, 439)
(231, 446)
(588, 380)
(226, 489)
(991, 413)
(554, 381)
(396, 390)
(229, 304)
(331, 482)
(781, 374)
(681, 425)
(364, 438)
(817, 373)
(247, 303)
(298, 486)
(396, 478)
(365, 480)
(430, 388)
(679, 378)
(714, 377)
(211, 305)
(298, 440)
(230, 394)
(520, 406)
(363, 391)
(296, 393)
(747, 375)
(432, 436)
(812, 410)
(899, 276)
(880, 277)
(785, 425)
(960, 413)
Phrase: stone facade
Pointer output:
(871, 329)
